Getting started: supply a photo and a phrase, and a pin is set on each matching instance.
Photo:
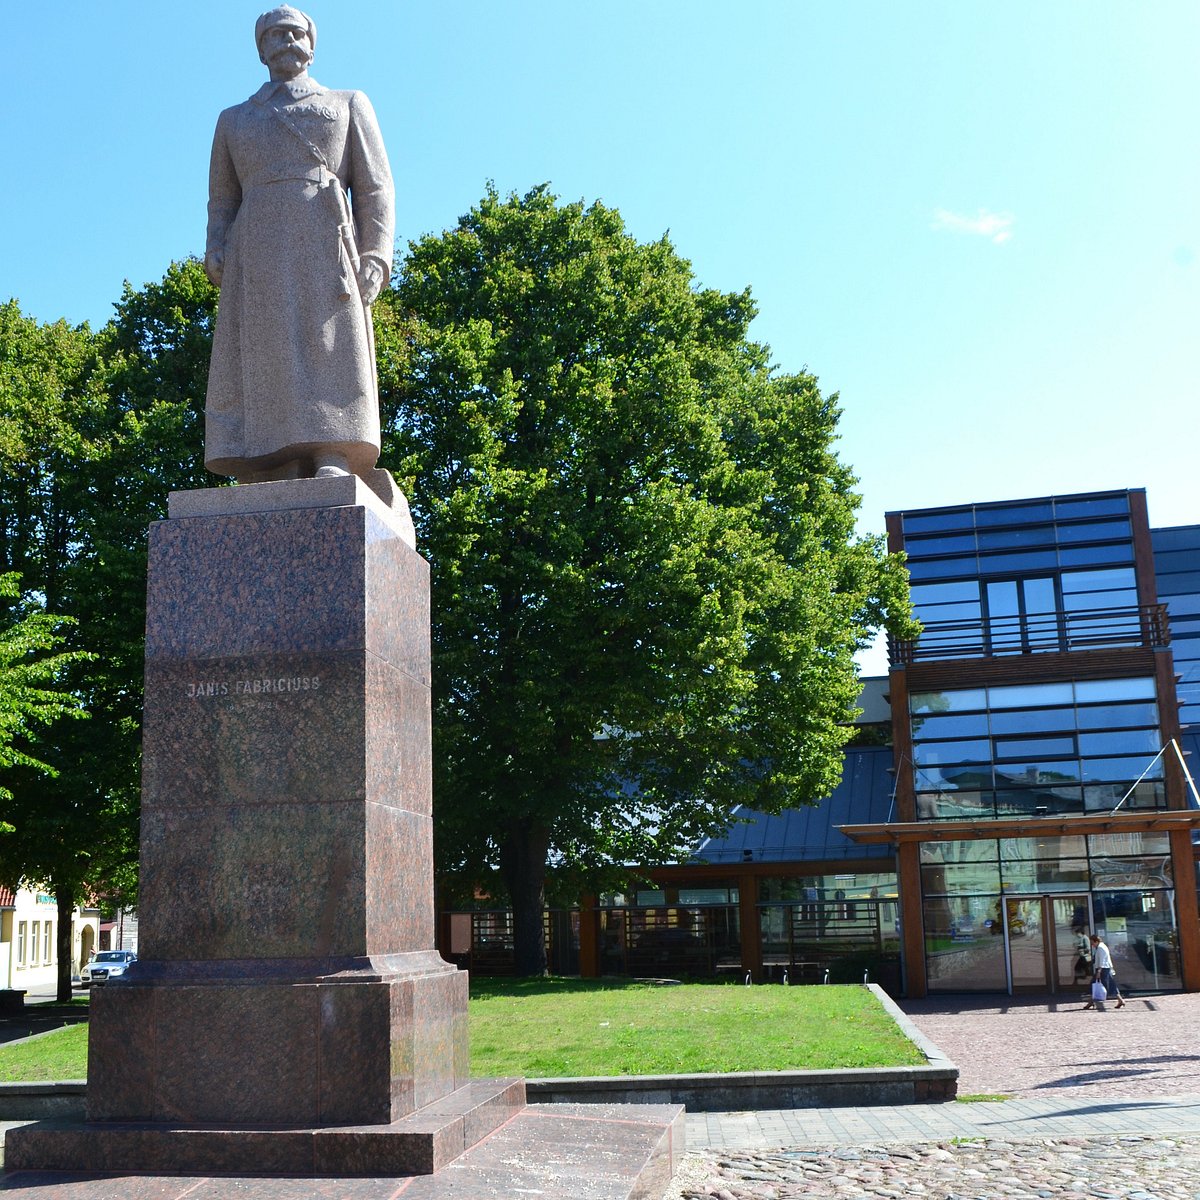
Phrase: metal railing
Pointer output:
(1048, 633)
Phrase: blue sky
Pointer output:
(979, 224)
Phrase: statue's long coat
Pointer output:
(293, 364)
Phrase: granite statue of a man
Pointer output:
(300, 232)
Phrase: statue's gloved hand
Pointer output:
(372, 276)
(214, 266)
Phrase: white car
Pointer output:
(106, 965)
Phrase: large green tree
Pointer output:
(95, 430)
(647, 589)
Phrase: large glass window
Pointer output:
(1014, 750)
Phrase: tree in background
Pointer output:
(95, 430)
(647, 590)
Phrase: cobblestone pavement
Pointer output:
(1098, 1113)
(1103, 1168)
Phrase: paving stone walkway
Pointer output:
(1103, 1108)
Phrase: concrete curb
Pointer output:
(36, 1101)
(935, 1082)
(743, 1091)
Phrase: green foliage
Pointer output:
(642, 542)
(30, 679)
(95, 430)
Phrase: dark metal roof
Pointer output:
(863, 797)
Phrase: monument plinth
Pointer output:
(287, 854)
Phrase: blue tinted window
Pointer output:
(1077, 556)
(1181, 537)
(1028, 694)
(945, 593)
(1004, 539)
(1043, 720)
(1027, 560)
(1097, 581)
(1101, 506)
(1110, 716)
(1121, 768)
(1044, 747)
(1094, 531)
(1184, 581)
(937, 521)
(1014, 514)
(1122, 741)
(927, 613)
(950, 543)
(1098, 691)
(970, 725)
(932, 753)
(940, 568)
(1180, 606)
(1090, 601)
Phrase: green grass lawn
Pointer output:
(559, 1027)
(58, 1055)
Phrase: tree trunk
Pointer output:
(523, 866)
(64, 895)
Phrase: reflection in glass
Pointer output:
(1147, 871)
(1028, 747)
(950, 726)
(1040, 720)
(1121, 768)
(962, 699)
(1104, 797)
(1110, 716)
(941, 879)
(1139, 929)
(1037, 802)
(964, 945)
(1121, 741)
(1045, 875)
(1026, 944)
(1067, 846)
(930, 753)
(1099, 581)
(1132, 843)
(1030, 695)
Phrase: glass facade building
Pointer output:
(1040, 794)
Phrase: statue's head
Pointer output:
(286, 39)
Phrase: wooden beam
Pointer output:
(901, 832)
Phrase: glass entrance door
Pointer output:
(1070, 923)
(1026, 937)
(1045, 936)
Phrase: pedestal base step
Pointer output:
(419, 1144)
(552, 1151)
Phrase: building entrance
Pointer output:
(1044, 937)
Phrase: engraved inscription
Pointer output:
(276, 685)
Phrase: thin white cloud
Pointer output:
(996, 227)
